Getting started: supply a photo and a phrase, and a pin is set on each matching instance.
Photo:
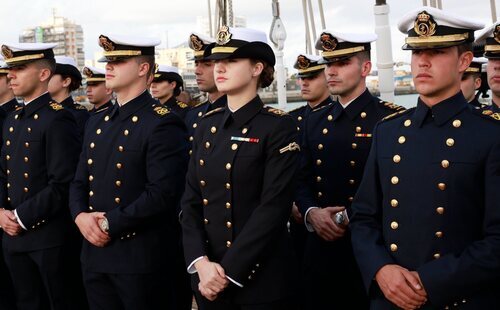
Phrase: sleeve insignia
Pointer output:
(161, 111)
(276, 111)
(391, 105)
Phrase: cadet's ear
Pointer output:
(464, 60)
(45, 74)
(144, 69)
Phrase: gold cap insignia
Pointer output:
(328, 42)
(424, 25)
(196, 42)
(157, 67)
(7, 52)
(161, 110)
(106, 43)
(88, 72)
(496, 33)
(303, 62)
(223, 36)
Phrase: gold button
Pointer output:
(205, 202)
(91, 193)
(442, 186)
(190, 152)
(200, 114)
(98, 131)
(35, 116)
(440, 210)
(228, 244)
(457, 123)
(394, 180)
(363, 114)
(318, 179)
(402, 139)
(234, 146)
(228, 166)
(91, 208)
(126, 132)
(325, 131)
(8, 198)
(8, 171)
(394, 203)
(229, 224)
(320, 194)
(445, 164)
(205, 221)
(450, 142)
(207, 145)
(320, 146)
(228, 205)
(318, 162)
(11, 129)
(350, 199)
(228, 186)
(135, 119)
(118, 183)
(394, 247)
(437, 255)
(351, 182)
(191, 138)
(89, 161)
(26, 189)
(407, 123)
(29, 129)
(119, 165)
(396, 158)
(106, 118)
(16, 117)
(92, 145)
(26, 175)
(244, 130)
(330, 118)
(7, 142)
(358, 129)
(202, 162)
(353, 163)
(7, 157)
(26, 144)
(117, 199)
(91, 178)
(195, 125)
(299, 118)
(203, 183)
(354, 146)
(464, 301)
(394, 225)
(439, 234)
(213, 129)
(26, 159)
(120, 148)
(8, 185)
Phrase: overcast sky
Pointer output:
(178, 18)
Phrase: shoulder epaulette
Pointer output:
(18, 108)
(80, 107)
(101, 110)
(182, 105)
(396, 114)
(491, 114)
(391, 105)
(214, 111)
(161, 110)
(55, 106)
(315, 109)
(200, 104)
(275, 111)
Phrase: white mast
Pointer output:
(385, 62)
(278, 37)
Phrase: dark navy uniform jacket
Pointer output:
(429, 202)
(335, 146)
(132, 167)
(493, 107)
(39, 156)
(102, 108)
(80, 113)
(178, 107)
(195, 114)
(238, 198)
(300, 114)
(10, 106)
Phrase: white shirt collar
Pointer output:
(122, 104)
(27, 102)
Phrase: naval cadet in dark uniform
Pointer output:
(471, 82)
(490, 38)
(239, 188)
(97, 93)
(426, 218)
(128, 183)
(166, 86)
(38, 160)
(204, 72)
(8, 101)
(336, 142)
(312, 80)
(65, 80)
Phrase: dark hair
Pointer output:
(464, 47)
(75, 82)
(267, 75)
(363, 56)
(47, 64)
(150, 60)
(178, 87)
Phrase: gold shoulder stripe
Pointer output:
(391, 105)
(162, 111)
(213, 112)
(18, 108)
(390, 116)
(80, 107)
(495, 116)
(321, 107)
(56, 106)
(182, 105)
(276, 111)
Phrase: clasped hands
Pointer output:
(213, 279)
